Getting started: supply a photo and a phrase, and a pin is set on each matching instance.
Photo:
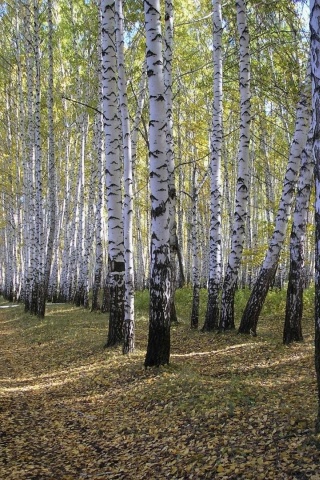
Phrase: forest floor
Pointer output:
(227, 407)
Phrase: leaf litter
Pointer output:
(227, 406)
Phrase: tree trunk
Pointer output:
(158, 349)
(180, 207)
(140, 276)
(113, 174)
(170, 150)
(238, 234)
(128, 324)
(98, 136)
(195, 252)
(265, 277)
(51, 173)
(79, 257)
(315, 75)
(98, 219)
(215, 261)
(294, 307)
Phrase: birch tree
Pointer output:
(98, 215)
(240, 218)
(294, 306)
(78, 252)
(128, 341)
(28, 231)
(39, 220)
(215, 264)
(112, 129)
(140, 273)
(34, 231)
(98, 143)
(158, 349)
(265, 277)
(195, 250)
(315, 76)
(168, 54)
(51, 172)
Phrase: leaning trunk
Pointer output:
(294, 307)
(265, 278)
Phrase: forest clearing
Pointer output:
(227, 406)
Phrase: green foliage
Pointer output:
(278, 58)
(275, 302)
(141, 303)
(274, 306)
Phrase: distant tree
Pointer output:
(194, 321)
(98, 217)
(140, 273)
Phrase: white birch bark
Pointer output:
(23, 208)
(315, 76)
(88, 235)
(259, 292)
(140, 272)
(79, 238)
(84, 215)
(238, 234)
(33, 165)
(8, 285)
(188, 263)
(39, 220)
(215, 260)
(112, 131)
(74, 227)
(67, 229)
(51, 172)
(98, 216)
(28, 163)
(180, 209)
(294, 306)
(158, 349)
(128, 325)
(11, 226)
(195, 251)
(168, 57)
(98, 146)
